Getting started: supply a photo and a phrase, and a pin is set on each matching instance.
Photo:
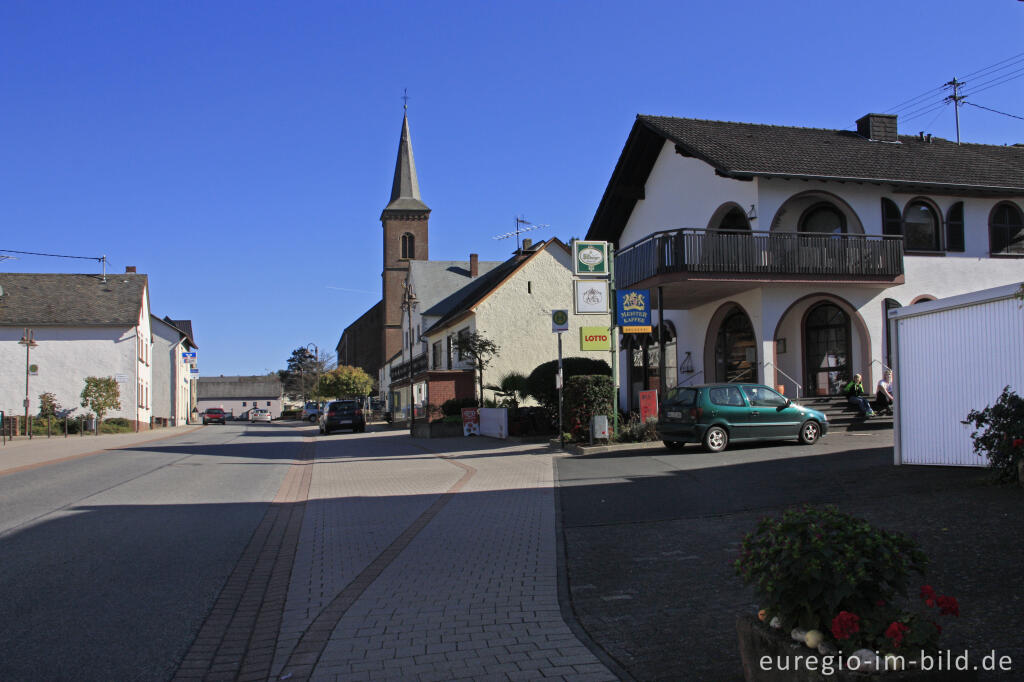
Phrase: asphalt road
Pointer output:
(110, 563)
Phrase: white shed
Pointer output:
(952, 356)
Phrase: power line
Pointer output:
(979, 72)
(53, 255)
(994, 111)
(988, 85)
(985, 72)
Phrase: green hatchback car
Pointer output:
(717, 414)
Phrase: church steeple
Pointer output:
(405, 190)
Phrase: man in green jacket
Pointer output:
(854, 392)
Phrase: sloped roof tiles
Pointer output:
(71, 300)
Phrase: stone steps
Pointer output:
(843, 415)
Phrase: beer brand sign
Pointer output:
(590, 258)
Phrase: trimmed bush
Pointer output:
(454, 406)
(541, 382)
(583, 397)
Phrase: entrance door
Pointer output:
(736, 349)
(827, 332)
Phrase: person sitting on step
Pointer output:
(883, 394)
(854, 392)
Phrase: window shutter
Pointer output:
(955, 227)
(892, 221)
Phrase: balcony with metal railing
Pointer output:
(697, 255)
(414, 367)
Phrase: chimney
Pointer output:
(878, 127)
(474, 265)
(527, 243)
(129, 268)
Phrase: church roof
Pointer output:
(405, 190)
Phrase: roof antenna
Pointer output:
(520, 220)
(103, 259)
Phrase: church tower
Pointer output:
(405, 239)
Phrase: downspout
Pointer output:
(138, 396)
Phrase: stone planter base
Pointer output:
(436, 430)
(789, 661)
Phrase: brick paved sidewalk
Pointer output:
(411, 565)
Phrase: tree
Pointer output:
(479, 350)
(304, 368)
(101, 395)
(345, 382)
(513, 389)
(541, 381)
(48, 405)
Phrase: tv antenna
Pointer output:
(522, 225)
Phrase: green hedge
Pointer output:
(541, 381)
(583, 397)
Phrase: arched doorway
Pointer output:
(645, 363)
(827, 340)
(735, 348)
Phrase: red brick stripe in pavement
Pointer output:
(303, 659)
(238, 639)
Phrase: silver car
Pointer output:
(259, 415)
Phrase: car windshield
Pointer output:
(681, 396)
(215, 410)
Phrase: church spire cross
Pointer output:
(405, 99)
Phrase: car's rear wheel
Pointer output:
(810, 432)
(716, 439)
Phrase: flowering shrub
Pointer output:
(813, 563)
(820, 569)
(999, 433)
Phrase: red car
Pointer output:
(214, 415)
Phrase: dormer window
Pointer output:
(408, 246)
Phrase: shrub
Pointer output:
(635, 431)
(999, 433)
(583, 397)
(115, 425)
(813, 564)
(454, 406)
(541, 382)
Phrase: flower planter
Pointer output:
(437, 429)
(769, 655)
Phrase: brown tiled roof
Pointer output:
(71, 300)
(757, 149)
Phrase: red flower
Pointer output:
(1017, 442)
(928, 594)
(845, 625)
(880, 602)
(894, 633)
(948, 606)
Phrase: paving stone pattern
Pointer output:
(414, 566)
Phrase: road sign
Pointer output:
(590, 258)
(559, 321)
(634, 310)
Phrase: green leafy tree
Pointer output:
(345, 382)
(480, 351)
(101, 395)
(48, 405)
(303, 372)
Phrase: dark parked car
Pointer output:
(717, 414)
(342, 414)
(214, 415)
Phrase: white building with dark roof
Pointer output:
(236, 395)
(173, 385)
(82, 325)
(775, 252)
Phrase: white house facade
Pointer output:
(82, 326)
(237, 395)
(774, 253)
(172, 375)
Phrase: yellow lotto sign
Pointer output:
(595, 338)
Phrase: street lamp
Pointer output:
(316, 370)
(29, 343)
(408, 301)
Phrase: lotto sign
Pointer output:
(595, 338)
(590, 258)
(559, 321)
(634, 311)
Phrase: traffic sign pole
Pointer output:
(561, 384)
(615, 341)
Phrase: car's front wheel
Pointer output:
(716, 439)
(810, 432)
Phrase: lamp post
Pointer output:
(408, 301)
(29, 343)
(316, 374)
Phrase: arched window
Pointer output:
(734, 219)
(823, 219)
(408, 246)
(1006, 230)
(892, 221)
(920, 228)
(736, 349)
(827, 343)
(955, 227)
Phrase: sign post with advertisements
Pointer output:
(470, 421)
(648, 406)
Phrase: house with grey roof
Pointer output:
(236, 395)
(510, 303)
(82, 326)
(174, 388)
(774, 253)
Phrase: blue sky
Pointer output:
(240, 153)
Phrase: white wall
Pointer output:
(235, 406)
(65, 357)
(951, 361)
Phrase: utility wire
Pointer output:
(51, 255)
(989, 84)
(985, 72)
(1015, 58)
(994, 111)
